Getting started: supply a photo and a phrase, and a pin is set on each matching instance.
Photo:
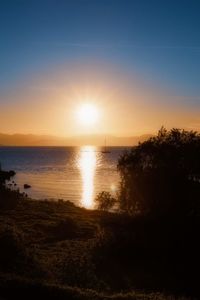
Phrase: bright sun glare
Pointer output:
(88, 114)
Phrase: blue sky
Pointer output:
(156, 40)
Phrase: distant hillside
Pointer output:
(45, 140)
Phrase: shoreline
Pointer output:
(91, 254)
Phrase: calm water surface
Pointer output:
(75, 174)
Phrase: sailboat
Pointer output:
(105, 150)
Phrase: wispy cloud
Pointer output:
(75, 44)
(118, 45)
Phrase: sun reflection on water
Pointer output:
(87, 165)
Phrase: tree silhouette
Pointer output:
(105, 201)
(161, 175)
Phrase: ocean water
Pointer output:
(76, 174)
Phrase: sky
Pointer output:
(137, 61)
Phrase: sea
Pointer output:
(76, 174)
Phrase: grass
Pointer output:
(57, 250)
(26, 289)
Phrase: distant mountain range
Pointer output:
(47, 140)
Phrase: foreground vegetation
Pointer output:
(159, 177)
(56, 250)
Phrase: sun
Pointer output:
(88, 114)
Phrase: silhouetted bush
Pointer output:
(8, 198)
(6, 175)
(161, 175)
(105, 201)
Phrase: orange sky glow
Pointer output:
(126, 106)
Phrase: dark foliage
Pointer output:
(162, 175)
(6, 175)
(105, 201)
(8, 199)
(153, 254)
